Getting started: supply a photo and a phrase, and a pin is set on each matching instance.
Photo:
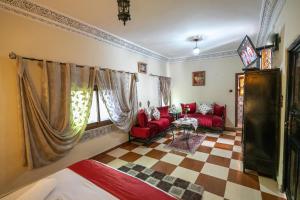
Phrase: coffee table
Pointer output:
(186, 124)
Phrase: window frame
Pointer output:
(99, 123)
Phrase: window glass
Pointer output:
(94, 110)
(103, 111)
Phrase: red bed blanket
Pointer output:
(117, 183)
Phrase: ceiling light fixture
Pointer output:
(123, 11)
(196, 50)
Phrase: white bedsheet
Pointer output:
(71, 186)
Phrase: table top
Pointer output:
(186, 121)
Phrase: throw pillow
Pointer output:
(156, 114)
(191, 106)
(142, 118)
(204, 108)
(164, 111)
(219, 110)
(148, 112)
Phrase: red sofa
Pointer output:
(214, 120)
(147, 130)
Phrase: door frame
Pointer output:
(290, 51)
(236, 96)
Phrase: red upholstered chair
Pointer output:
(144, 129)
(147, 130)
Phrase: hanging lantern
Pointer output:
(123, 9)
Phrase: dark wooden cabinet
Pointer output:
(262, 121)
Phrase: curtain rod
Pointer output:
(13, 55)
(158, 75)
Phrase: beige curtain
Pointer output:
(55, 108)
(119, 94)
(165, 89)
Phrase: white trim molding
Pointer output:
(270, 12)
(45, 15)
(221, 54)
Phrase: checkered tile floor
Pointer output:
(216, 165)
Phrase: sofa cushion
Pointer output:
(205, 121)
(142, 119)
(192, 107)
(162, 123)
(219, 110)
(164, 111)
(139, 132)
(217, 121)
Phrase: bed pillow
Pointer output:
(156, 114)
(40, 190)
(204, 108)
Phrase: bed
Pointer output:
(91, 180)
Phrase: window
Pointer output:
(98, 115)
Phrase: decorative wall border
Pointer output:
(270, 12)
(45, 15)
(222, 54)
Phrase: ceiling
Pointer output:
(163, 26)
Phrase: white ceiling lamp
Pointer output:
(196, 50)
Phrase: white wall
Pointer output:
(289, 29)
(31, 38)
(220, 78)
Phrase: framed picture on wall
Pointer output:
(142, 67)
(198, 78)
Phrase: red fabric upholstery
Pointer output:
(164, 111)
(211, 120)
(206, 121)
(139, 132)
(219, 110)
(194, 115)
(217, 121)
(148, 129)
(192, 107)
(162, 123)
(142, 119)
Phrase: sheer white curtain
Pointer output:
(119, 94)
(165, 89)
(155, 96)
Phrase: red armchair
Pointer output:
(147, 130)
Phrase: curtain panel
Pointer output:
(165, 89)
(54, 119)
(118, 91)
